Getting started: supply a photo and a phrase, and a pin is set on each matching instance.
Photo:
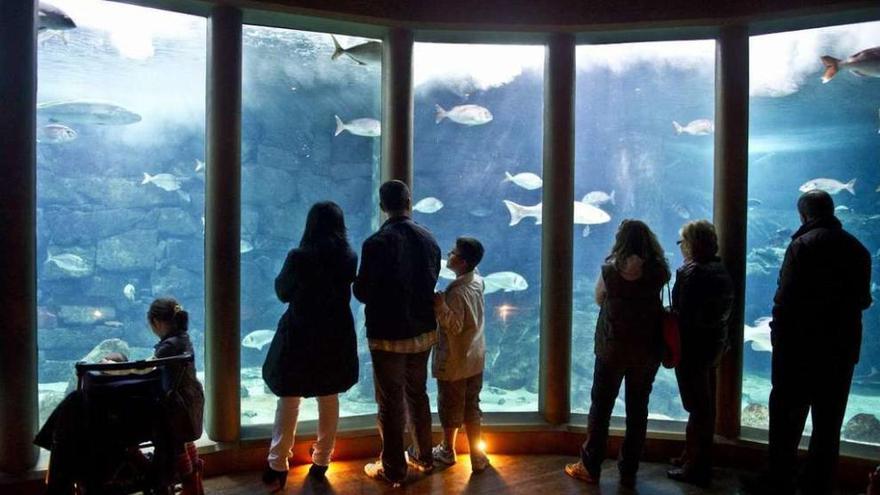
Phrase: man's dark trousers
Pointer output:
(400, 381)
(806, 382)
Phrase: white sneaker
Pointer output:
(443, 454)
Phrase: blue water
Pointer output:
(91, 202)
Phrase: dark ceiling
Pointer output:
(513, 13)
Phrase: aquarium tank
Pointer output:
(310, 132)
(477, 123)
(644, 150)
(801, 129)
(120, 184)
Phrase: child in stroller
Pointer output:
(96, 434)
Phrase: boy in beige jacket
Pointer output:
(460, 353)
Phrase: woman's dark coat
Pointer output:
(314, 351)
(703, 298)
(628, 328)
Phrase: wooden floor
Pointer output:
(538, 475)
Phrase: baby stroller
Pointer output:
(122, 412)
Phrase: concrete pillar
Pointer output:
(223, 225)
(397, 106)
(18, 236)
(731, 192)
(557, 231)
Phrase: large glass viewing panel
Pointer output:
(478, 118)
(644, 142)
(120, 183)
(310, 122)
(801, 130)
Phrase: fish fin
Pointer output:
(586, 231)
(612, 198)
(338, 50)
(359, 62)
(340, 125)
(515, 212)
(678, 128)
(441, 114)
(831, 68)
(507, 177)
(147, 178)
(851, 187)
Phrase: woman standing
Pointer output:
(628, 346)
(314, 351)
(703, 297)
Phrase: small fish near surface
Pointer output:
(831, 186)
(598, 198)
(468, 115)
(428, 205)
(56, 134)
(69, 262)
(87, 112)
(369, 53)
(525, 180)
(359, 127)
(759, 335)
(865, 63)
(504, 281)
(258, 339)
(129, 292)
(699, 127)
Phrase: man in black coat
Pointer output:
(816, 331)
(398, 273)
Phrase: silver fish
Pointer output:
(518, 212)
(129, 292)
(469, 115)
(525, 180)
(506, 281)
(69, 262)
(87, 112)
(866, 63)
(200, 165)
(258, 339)
(699, 127)
(587, 214)
(428, 205)
(598, 198)
(245, 246)
(56, 134)
(50, 17)
(831, 186)
(759, 335)
(359, 127)
(369, 53)
(167, 182)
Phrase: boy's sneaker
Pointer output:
(443, 454)
(375, 471)
(479, 462)
(577, 470)
(416, 463)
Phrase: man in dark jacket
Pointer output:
(399, 268)
(824, 285)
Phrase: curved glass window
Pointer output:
(301, 143)
(478, 118)
(638, 156)
(120, 183)
(801, 130)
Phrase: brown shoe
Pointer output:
(578, 471)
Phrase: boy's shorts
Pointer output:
(459, 401)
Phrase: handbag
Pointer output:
(671, 334)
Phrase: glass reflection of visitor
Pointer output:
(314, 351)
(628, 346)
